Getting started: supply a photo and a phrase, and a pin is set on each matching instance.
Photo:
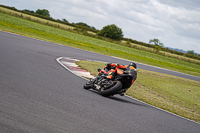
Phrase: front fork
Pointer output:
(98, 83)
(97, 87)
(94, 83)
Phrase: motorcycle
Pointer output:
(106, 87)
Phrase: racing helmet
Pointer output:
(133, 64)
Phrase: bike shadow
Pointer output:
(129, 101)
(123, 99)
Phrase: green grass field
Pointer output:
(177, 95)
(44, 32)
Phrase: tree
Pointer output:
(43, 12)
(82, 24)
(86, 25)
(156, 42)
(191, 52)
(111, 31)
(92, 27)
(65, 20)
(28, 11)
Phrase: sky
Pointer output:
(176, 23)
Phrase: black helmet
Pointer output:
(133, 64)
(109, 64)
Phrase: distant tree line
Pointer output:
(192, 52)
(29, 12)
(188, 54)
(84, 24)
(42, 12)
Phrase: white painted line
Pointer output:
(162, 109)
(59, 61)
(83, 74)
(70, 64)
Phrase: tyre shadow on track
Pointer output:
(123, 99)
(129, 101)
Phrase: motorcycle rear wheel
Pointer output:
(112, 90)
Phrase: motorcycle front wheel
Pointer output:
(88, 85)
(116, 87)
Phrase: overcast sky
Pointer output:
(176, 23)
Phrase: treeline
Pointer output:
(190, 55)
(82, 28)
(78, 25)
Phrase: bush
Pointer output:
(111, 31)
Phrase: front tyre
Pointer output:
(88, 85)
(112, 90)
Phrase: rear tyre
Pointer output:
(111, 91)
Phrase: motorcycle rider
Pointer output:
(110, 71)
(113, 68)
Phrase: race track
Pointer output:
(38, 95)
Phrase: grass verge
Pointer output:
(44, 32)
(177, 95)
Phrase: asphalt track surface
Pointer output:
(38, 95)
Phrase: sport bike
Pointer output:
(107, 87)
